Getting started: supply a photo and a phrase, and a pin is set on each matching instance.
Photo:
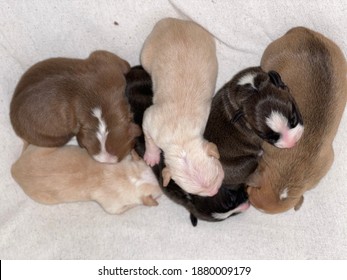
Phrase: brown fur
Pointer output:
(237, 122)
(181, 58)
(314, 69)
(68, 174)
(53, 102)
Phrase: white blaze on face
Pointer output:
(247, 79)
(288, 136)
(101, 135)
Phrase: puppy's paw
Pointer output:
(166, 176)
(152, 158)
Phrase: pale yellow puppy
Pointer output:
(68, 174)
(181, 58)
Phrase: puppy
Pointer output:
(181, 58)
(254, 106)
(227, 202)
(59, 98)
(314, 68)
(68, 174)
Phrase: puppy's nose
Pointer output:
(290, 137)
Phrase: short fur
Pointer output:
(227, 202)
(314, 68)
(55, 98)
(237, 122)
(181, 58)
(69, 174)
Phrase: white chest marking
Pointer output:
(284, 194)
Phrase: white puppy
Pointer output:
(181, 58)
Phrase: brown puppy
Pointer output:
(68, 174)
(59, 98)
(314, 69)
(181, 58)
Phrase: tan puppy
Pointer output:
(314, 69)
(181, 58)
(68, 174)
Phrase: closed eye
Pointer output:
(293, 121)
(271, 137)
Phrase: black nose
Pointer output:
(275, 78)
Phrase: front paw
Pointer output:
(151, 158)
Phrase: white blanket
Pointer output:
(35, 30)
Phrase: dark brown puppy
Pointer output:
(253, 107)
(59, 98)
(229, 200)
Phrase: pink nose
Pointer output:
(244, 206)
(289, 139)
(289, 143)
(285, 143)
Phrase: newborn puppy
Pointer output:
(59, 98)
(181, 58)
(314, 68)
(227, 202)
(68, 174)
(254, 106)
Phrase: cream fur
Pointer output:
(181, 59)
(68, 174)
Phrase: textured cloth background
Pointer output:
(34, 30)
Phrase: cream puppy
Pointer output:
(314, 68)
(68, 174)
(181, 58)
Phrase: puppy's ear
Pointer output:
(135, 155)
(124, 66)
(134, 130)
(298, 205)
(148, 200)
(275, 78)
(254, 180)
(211, 149)
(166, 176)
